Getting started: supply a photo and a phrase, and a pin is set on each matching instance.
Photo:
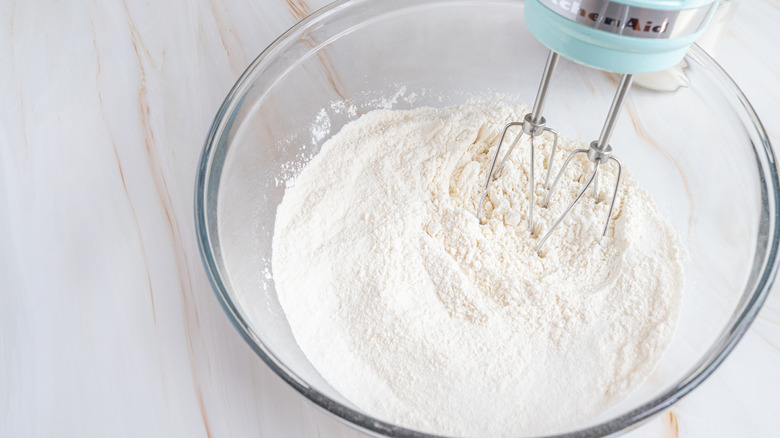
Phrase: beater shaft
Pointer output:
(614, 110)
(549, 68)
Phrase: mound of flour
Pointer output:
(423, 317)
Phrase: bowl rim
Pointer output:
(704, 367)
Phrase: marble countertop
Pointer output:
(108, 325)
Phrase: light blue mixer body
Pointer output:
(624, 36)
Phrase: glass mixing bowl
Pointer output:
(700, 151)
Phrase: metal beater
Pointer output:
(532, 125)
(626, 36)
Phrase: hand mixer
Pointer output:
(622, 36)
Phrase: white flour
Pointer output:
(423, 317)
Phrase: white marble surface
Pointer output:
(108, 326)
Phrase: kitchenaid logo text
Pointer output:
(612, 17)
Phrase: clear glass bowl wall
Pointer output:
(700, 151)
